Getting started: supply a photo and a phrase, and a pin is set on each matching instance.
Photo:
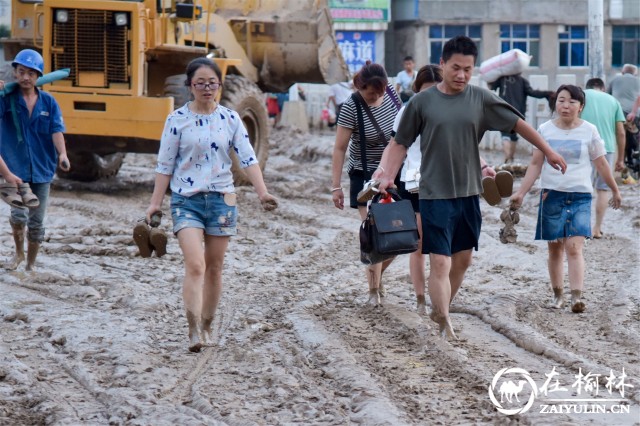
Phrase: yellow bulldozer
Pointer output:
(127, 60)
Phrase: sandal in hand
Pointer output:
(10, 195)
(28, 198)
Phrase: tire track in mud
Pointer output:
(294, 342)
(465, 367)
(59, 392)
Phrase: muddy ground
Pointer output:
(97, 335)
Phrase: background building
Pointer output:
(554, 32)
(360, 27)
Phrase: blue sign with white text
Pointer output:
(357, 47)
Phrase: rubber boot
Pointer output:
(18, 238)
(32, 253)
(577, 305)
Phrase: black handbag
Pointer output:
(388, 230)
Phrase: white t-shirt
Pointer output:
(579, 147)
(414, 157)
(404, 80)
(340, 92)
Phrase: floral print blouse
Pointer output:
(195, 150)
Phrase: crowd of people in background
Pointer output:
(571, 156)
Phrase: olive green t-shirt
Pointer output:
(450, 128)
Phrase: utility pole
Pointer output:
(596, 39)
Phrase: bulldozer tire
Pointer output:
(244, 97)
(89, 167)
(174, 87)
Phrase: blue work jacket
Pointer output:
(35, 159)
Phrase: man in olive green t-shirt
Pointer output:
(451, 119)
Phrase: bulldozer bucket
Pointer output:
(288, 41)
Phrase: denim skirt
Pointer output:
(563, 215)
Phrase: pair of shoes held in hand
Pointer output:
(494, 189)
(149, 237)
(18, 195)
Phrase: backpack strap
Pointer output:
(394, 97)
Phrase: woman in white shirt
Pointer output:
(564, 214)
(194, 160)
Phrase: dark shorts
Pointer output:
(450, 226)
(563, 214)
(356, 183)
(512, 136)
(406, 195)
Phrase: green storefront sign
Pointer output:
(360, 10)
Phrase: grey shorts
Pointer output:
(598, 182)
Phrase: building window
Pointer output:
(440, 34)
(573, 47)
(525, 37)
(625, 45)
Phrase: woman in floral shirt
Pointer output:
(194, 160)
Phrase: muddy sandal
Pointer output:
(504, 182)
(29, 199)
(10, 195)
(490, 191)
(158, 241)
(141, 238)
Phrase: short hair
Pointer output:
(407, 58)
(198, 63)
(595, 83)
(629, 69)
(574, 91)
(459, 44)
(371, 75)
(427, 74)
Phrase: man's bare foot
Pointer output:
(374, 297)
(446, 329)
(13, 264)
(421, 306)
(382, 291)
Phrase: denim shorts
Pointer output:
(214, 212)
(450, 226)
(563, 214)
